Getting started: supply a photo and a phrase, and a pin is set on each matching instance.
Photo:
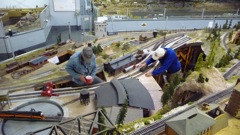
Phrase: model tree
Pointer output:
(99, 48)
(230, 36)
(225, 25)
(118, 44)
(200, 63)
(230, 24)
(122, 114)
(200, 79)
(237, 26)
(59, 38)
(95, 50)
(211, 56)
(165, 97)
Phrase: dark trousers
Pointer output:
(96, 80)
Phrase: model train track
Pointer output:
(230, 71)
(61, 91)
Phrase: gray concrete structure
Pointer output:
(165, 24)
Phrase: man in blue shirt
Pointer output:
(169, 63)
(82, 64)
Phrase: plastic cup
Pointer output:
(88, 79)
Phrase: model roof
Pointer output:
(38, 60)
(119, 62)
(117, 91)
(191, 122)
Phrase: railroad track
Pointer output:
(61, 91)
(230, 71)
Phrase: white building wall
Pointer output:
(63, 18)
(23, 3)
(100, 29)
(171, 24)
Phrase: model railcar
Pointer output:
(22, 114)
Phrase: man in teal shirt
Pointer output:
(82, 64)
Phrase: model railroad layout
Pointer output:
(177, 42)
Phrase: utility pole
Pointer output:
(92, 17)
(127, 13)
(237, 12)
(166, 23)
(164, 12)
(203, 12)
(10, 43)
(90, 22)
(69, 28)
(112, 22)
(82, 37)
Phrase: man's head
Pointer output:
(159, 53)
(87, 54)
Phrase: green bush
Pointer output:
(128, 129)
(223, 70)
(105, 56)
(157, 117)
(146, 122)
(118, 44)
(95, 40)
(200, 79)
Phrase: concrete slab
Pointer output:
(233, 128)
(72, 106)
(155, 91)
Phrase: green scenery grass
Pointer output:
(129, 127)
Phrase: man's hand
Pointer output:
(82, 78)
(148, 74)
(142, 65)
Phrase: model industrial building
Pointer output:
(233, 106)
(206, 120)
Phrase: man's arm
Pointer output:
(164, 67)
(149, 61)
(70, 69)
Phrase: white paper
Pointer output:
(54, 60)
